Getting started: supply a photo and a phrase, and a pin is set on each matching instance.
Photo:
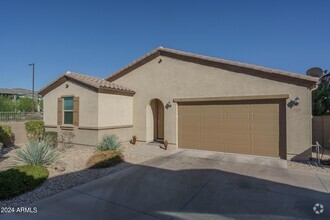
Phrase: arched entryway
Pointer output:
(155, 121)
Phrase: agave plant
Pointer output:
(36, 153)
(108, 142)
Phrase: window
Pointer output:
(68, 110)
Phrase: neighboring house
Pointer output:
(192, 101)
(15, 93)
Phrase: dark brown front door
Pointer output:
(160, 120)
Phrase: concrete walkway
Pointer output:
(192, 184)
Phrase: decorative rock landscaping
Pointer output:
(70, 170)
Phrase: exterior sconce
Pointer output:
(67, 86)
(294, 102)
(168, 105)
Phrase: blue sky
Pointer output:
(99, 37)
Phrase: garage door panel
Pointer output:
(238, 149)
(192, 145)
(238, 118)
(264, 140)
(192, 125)
(271, 127)
(213, 128)
(235, 137)
(262, 118)
(265, 133)
(235, 128)
(238, 126)
(235, 107)
(266, 151)
(189, 127)
(265, 107)
(191, 131)
(213, 143)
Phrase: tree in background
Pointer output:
(7, 104)
(321, 96)
(24, 104)
(41, 105)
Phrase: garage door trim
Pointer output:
(231, 98)
(281, 120)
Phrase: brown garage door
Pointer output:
(235, 127)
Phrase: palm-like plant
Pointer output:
(36, 153)
(108, 142)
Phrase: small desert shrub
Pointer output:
(7, 138)
(105, 159)
(65, 138)
(34, 129)
(51, 137)
(36, 153)
(108, 142)
(20, 179)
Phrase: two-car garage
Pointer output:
(219, 105)
(255, 126)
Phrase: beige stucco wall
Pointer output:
(99, 113)
(88, 104)
(178, 79)
(114, 110)
(124, 133)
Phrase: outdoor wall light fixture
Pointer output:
(294, 102)
(67, 86)
(168, 105)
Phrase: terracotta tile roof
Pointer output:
(260, 71)
(98, 84)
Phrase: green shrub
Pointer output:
(18, 180)
(25, 104)
(34, 129)
(51, 137)
(65, 138)
(108, 142)
(36, 153)
(7, 104)
(6, 136)
(105, 159)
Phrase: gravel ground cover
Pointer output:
(306, 166)
(311, 166)
(70, 170)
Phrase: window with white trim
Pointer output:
(68, 110)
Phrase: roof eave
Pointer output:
(63, 78)
(57, 82)
(214, 62)
(137, 63)
(107, 90)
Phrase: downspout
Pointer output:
(311, 121)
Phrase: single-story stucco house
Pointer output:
(192, 101)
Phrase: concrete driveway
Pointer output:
(192, 184)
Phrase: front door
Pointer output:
(160, 120)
